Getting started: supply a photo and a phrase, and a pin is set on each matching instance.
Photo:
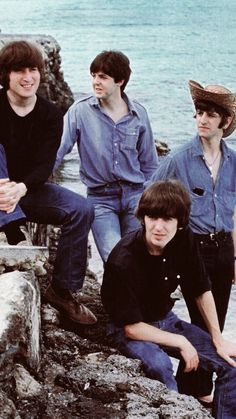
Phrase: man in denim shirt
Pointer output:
(116, 149)
(207, 167)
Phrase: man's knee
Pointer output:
(82, 208)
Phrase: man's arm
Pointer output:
(148, 157)
(206, 305)
(165, 170)
(146, 332)
(10, 194)
(69, 135)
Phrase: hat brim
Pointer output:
(226, 101)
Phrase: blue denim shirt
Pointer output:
(213, 209)
(109, 151)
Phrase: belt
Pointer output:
(217, 238)
(116, 183)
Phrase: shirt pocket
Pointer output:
(129, 139)
(200, 204)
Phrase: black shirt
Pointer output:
(137, 286)
(31, 141)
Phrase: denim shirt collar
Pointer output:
(198, 150)
(131, 105)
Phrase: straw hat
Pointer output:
(218, 95)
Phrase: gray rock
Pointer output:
(7, 408)
(26, 385)
(19, 318)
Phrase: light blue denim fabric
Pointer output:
(109, 151)
(114, 206)
(157, 364)
(212, 205)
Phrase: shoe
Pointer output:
(76, 311)
(27, 241)
(207, 405)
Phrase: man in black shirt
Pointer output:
(30, 133)
(142, 272)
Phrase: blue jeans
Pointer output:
(157, 364)
(114, 206)
(53, 204)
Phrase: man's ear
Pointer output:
(120, 83)
(228, 122)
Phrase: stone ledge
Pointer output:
(19, 318)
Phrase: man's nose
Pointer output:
(158, 224)
(27, 74)
(204, 117)
(96, 79)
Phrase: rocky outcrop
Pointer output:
(53, 85)
(82, 376)
(19, 319)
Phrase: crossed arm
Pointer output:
(144, 331)
(10, 194)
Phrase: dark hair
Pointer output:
(113, 63)
(165, 199)
(202, 105)
(17, 55)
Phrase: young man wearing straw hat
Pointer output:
(207, 167)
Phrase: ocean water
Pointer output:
(168, 42)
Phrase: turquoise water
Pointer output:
(168, 43)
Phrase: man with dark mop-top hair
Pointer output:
(142, 272)
(207, 167)
(116, 149)
(30, 133)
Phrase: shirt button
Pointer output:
(166, 278)
(178, 276)
(164, 260)
(116, 162)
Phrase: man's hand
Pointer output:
(190, 356)
(10, 194)
(226, 350)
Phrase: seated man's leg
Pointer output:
(106, 224)
(219, 262)
(53, 204)
(10, 222)
(224, 402)
(156, 363)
